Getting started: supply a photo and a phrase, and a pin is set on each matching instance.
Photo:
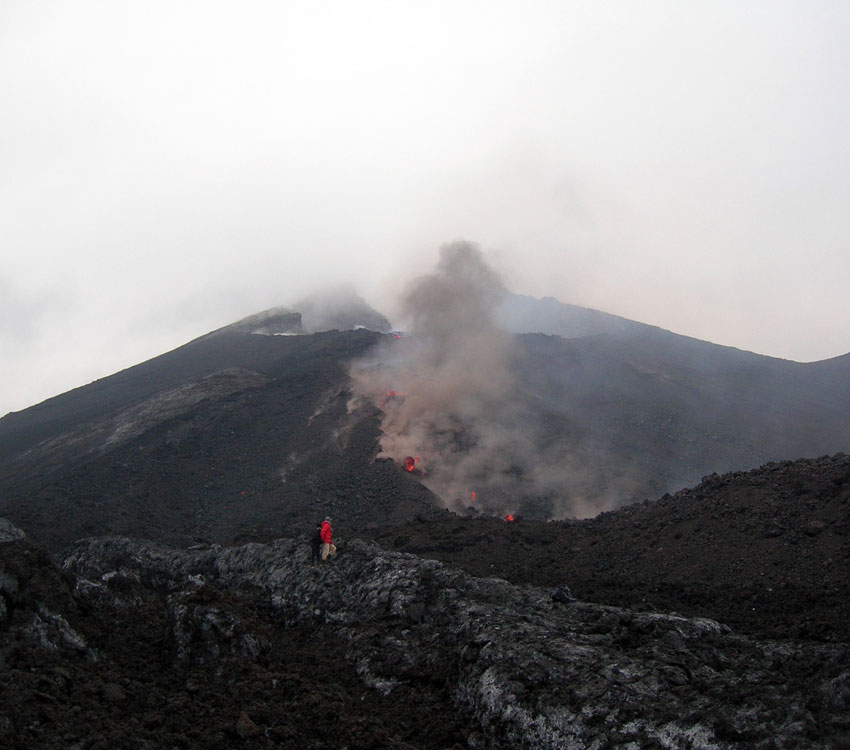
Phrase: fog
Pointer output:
(170, 168)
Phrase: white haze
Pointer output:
(168, 168)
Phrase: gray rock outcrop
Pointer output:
(9, 532)
(532, 672)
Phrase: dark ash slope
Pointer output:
(239, 433)
(233, 433)
(765, 551)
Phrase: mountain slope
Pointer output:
(247, 433)
(520, 313)
(766, 551)
(652, 412)
(231, 432)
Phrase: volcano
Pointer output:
(245, 431)
(157, 588)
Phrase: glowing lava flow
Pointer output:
(410, 462)
(472, 495)
(390, 396)
(509, 518)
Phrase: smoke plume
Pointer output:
(447, 392)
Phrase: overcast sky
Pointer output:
(169, 167)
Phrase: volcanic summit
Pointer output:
(676, 572)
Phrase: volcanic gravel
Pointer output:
(766, 551)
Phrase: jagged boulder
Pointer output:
(34, 596)
(532, 672)
(9, 532)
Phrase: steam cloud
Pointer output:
(449, 397)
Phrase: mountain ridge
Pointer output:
(156, 587)
(604, 420)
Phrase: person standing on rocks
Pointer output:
(326, 532)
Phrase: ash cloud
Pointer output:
(450, 398)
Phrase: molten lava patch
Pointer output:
(392, 396)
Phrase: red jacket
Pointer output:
(325, 532)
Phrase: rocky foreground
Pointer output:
(134, 645)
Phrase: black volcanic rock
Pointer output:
(9, 532)
(765, 551)
(199, 646)
(669, 644)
